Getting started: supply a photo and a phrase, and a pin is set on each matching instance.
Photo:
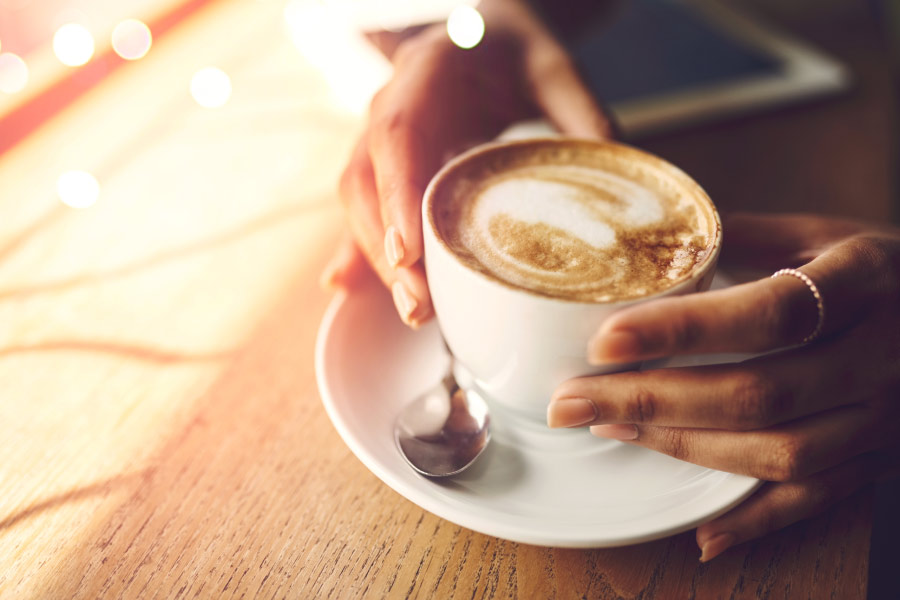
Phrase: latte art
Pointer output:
(575, 225)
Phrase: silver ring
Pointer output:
(820, 304)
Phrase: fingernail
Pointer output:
(571, 412)
(716, 545)
(421, 318)
(393, 246)
(405, 302)
(614, 347)
(615, 432)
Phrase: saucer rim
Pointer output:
(482, 524)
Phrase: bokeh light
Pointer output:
(465, 26)
(13, 73)
(211, 87)
(131, 39)
(78, 189)
(73, 45)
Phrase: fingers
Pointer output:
(777, 505)
(752, 317)
(411, 298)
(757, 393)
(360, 199)
(784, 453)
(399, 161)
(561, 94)
(758, 316)
(407, 284)
(401, 168)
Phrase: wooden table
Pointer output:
(161, 434)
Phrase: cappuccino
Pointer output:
(576, 220)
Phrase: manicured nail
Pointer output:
(615, 432)
(405, 302)
(421, 317)
(393, 246)
(716, 545)
(571, 412)
(614, 347)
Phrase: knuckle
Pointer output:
(399, 129)
(383, 127)
(879, 256)
(686, 332)
(871, 249)
(404, 189)
(748, 402)
(389, 125)
(675, 443)
(641, 407)
(757, 401)
(785, 460)
(817, 495)
(551, 62)
(767, 520)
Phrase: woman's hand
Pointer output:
(441, 100)
(817, 420)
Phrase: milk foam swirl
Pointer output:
(576, 231)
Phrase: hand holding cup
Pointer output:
(441, 100)
(818, 420)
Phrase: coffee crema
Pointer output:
(583, 221)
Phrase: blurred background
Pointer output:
(168, 175)
(52, 52)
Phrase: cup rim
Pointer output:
(665, 166)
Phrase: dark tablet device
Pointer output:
(662, 64)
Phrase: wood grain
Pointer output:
(161, 435)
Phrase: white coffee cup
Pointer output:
(515, 346)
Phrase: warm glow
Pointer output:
(13, 73)
(211, 87)
(73, 45)
(78, 189)
(465, 26)
(329, 42)
(131, 39)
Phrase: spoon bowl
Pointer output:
(444, 430)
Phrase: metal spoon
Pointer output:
(444, 430)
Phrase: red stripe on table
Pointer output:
(24, 119)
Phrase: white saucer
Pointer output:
(533, 485)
